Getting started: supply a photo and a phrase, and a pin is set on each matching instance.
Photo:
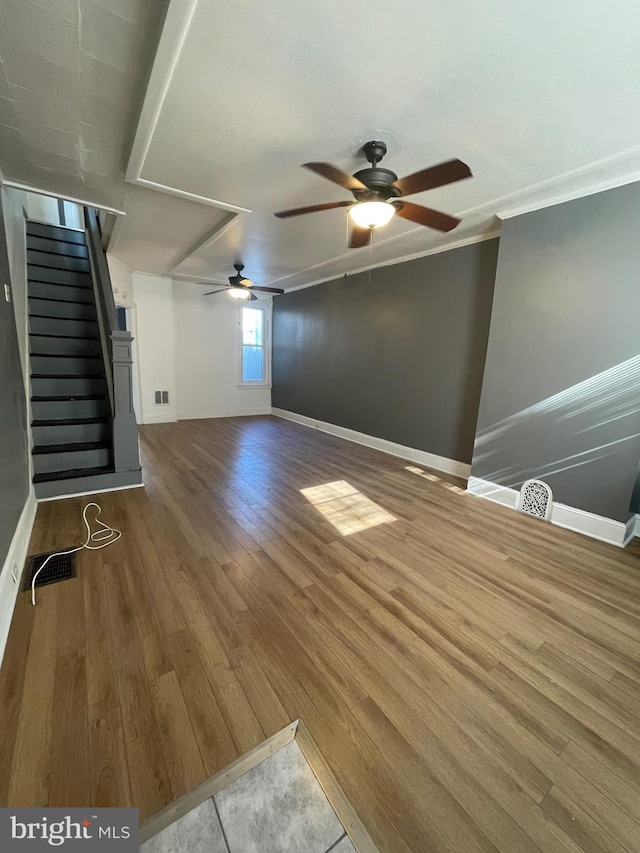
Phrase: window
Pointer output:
(254, 345)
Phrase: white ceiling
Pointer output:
(72, 75)
(540, 98)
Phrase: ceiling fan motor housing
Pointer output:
(377, 180)
(379, 183)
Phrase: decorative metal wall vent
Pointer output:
(536, 498)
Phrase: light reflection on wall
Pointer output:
(594, 420)
(347, 509)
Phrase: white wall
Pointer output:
(155, 345)
(188, 345)
(14, 203)
(206, 341)
(43, 208)
(73, 215)
(121, 282)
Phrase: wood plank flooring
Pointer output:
(472, 676)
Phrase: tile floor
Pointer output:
(277, 807)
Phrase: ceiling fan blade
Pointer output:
(282, 214)
(211, 292)
(252, 297)
(267, 289)
(332, 173)
(359, 237)
(426, 216)
(434, 176)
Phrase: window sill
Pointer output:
(251, 385)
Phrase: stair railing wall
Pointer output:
(117, 349)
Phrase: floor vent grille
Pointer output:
(536, 498)
(59, 568)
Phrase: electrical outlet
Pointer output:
(14, 573)
(7, 293)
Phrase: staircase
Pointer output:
(72, 426)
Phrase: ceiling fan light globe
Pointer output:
(371, 214)
(239, 292)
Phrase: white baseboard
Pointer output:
(91, 492)
(430, 460)
(636, 526)
(166, 418)
(595, 526)
(16, 556)
(225, 413)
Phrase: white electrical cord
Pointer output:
(105, 535)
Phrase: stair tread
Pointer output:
(36, 226)
(43, 422)
(67, 375)
(65, 301)
(59, 398)
(59, 284)
(32, 280)
(70, 448)
(74, 473)
(64, 355)
(66, 337)
(68, 319)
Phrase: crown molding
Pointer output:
(435, 250)
(28, 188)
(571, 195)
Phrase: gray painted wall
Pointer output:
(561, 391)
(14, 442)
(399, 357)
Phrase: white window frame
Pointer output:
(266, 308)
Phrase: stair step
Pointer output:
(48, 309)
(71, 456)
(57, 247)
(64, 337)
(71, 432)
(60, 327)
(69, 347)
(44, 385)
(79, 447)
(34, 354)
(55, 232)
(60, 292)
(56, 408)
(60, 262)
(67, 421)
(71, 475)
(73, 278)
(67, 375)
(56, 365)
(56, 398)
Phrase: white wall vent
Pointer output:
(536, 498)
(161, 398)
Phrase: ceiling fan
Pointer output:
(240, 287)
(376, 191)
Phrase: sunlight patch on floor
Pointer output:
(347, 509)
(432, 477)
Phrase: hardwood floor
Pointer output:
(472, 676)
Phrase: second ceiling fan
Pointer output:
(377, 192)
(240, 286)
